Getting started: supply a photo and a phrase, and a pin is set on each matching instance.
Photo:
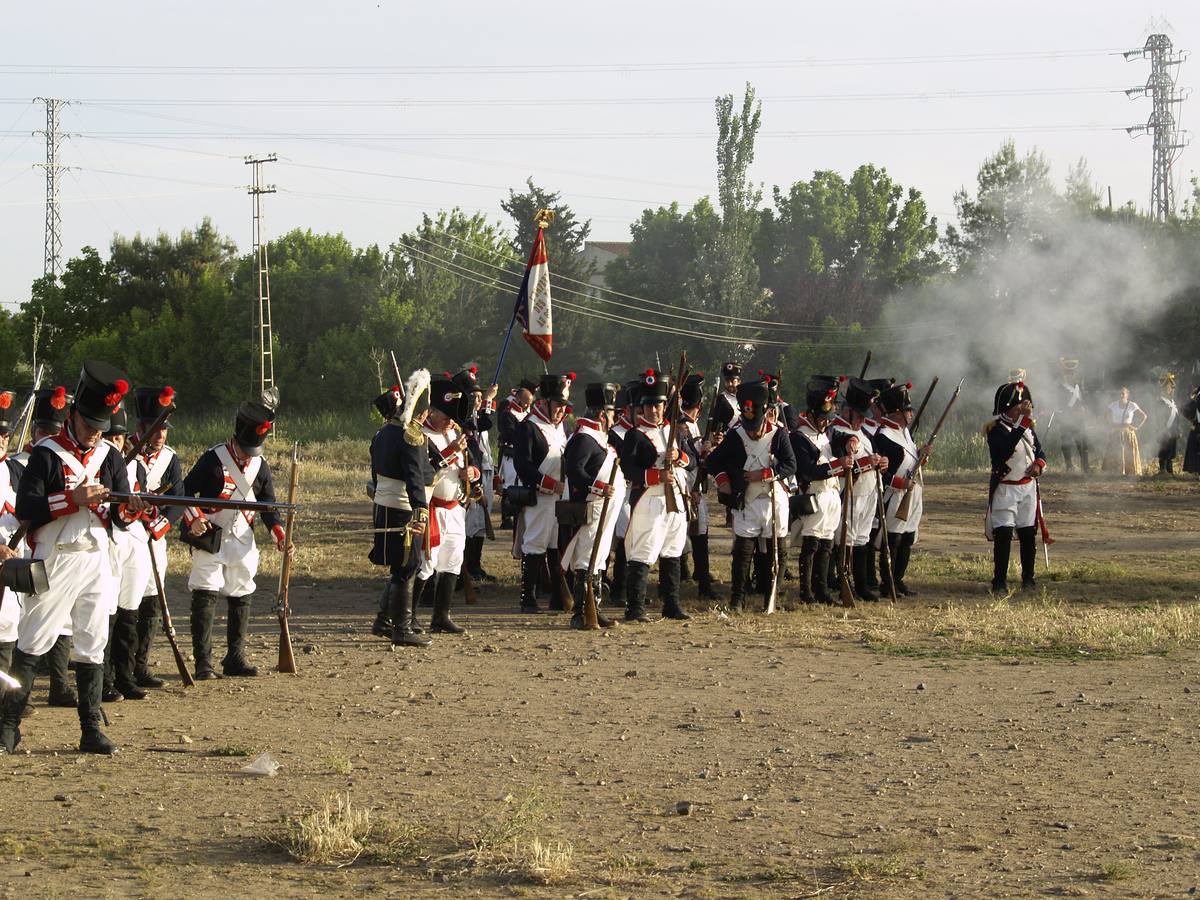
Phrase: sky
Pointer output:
(380, 111)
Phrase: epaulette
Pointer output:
(414, 434)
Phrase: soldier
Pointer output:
(1014, 504)
(51, 406)
(10, 477)
(848, 438)
(401, 470)
(692, 396)
(454, 476)
(750, 466)
(657, 531)
(1168, 439)
(162, 473)
(724, 412)
(625, 419)
(1070, 415)
(589, 458)
(817, 507)
(225, 561)
(62, 496)
(538, 454)
(1191, 447)
(870, 428)
(514, 411)
(894, 441)
(478, 423)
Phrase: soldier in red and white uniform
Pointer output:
(62, 496)
(236, 470)
(10, 477)
(538, 454)
(902, 477)
(164, 475)
(620, 428)
(655, 534)
(849, 438)
(591, 460)
(450, 403)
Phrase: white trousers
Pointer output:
(131, 565)
(653, 532)
(539, 528)
(508, 472)
(231, 571)
(916, 505)
(480, 510)
(825, 522)
(622, 518)
(1014, 506)
(159, 549)
(81, 588)
(864, 511)
(447, 556)
(754, 519)
(579, 551)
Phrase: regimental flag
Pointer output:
(533, 300)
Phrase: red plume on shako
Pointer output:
(59, 400)
(6, 400)
(166, 396)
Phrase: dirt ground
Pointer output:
(813, 757)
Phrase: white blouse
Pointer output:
(1122, 413)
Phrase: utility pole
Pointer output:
(262, 327)
(54, 138)
(1168, 139)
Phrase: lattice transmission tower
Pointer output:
(53, 168)
(1168, 139)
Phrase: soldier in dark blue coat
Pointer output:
(1014, 502)
(401, 470)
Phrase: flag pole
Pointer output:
(542, 219)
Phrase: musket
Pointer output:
(27, 409)
(905, 505)
(773, 596)
(132, 451)
(396, 372)
(591, 615)
(168, 626)
(866, 365)
(847, 592)
(885, 549)
(154, 499)
(912, 429)
(671, 501)
(287, 660)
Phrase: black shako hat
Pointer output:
(51, 407)
(99, 393)
(632, 389)
(528, 384)
(601, 395)
(556, 387)
(731, 370)
(1009, 395)
(469, 379)
(448, 396)
(388, 403)
(252, 425)
(7, 398)
(860, 395)
(895, 398)
(119, 423)
(753, 398)
(149, 402)
(653, 387)
(819, 395)
(692, 392)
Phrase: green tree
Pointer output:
(62, 311)
(149, 273)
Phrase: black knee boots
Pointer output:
(123, 639)
(531, 564)
(860, 560)
(685, 567)
(743, 557)
(668, 588)
(636, 576)
(441, 623)
(804, 569)
(110, 694)
(400, 611)
(235, 662)
(147, 617)
(22, 669)
(89, 679)
(1027, 538)
(900, 557)
(204, 608)
(384, 623)
(820, 572)
(871, 568)
(619, 570)
(58, 661)
(558, 601)
(1001, 550)
(704, 579)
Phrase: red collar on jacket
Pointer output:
(65, 440)
(643, 422)
(590, 424)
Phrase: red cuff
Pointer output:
(126, 516)
(899, 482)
(653, 477)
(278, 531)
(768, 474)
(1040, 463)
(547, 483)
(61, 504)
(598, 487)
(1026, 422)
(159, 527)
(722, 478)
(193, 514)
(684, 459)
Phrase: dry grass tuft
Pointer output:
(339, 834)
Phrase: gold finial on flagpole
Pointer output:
(543, 218)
